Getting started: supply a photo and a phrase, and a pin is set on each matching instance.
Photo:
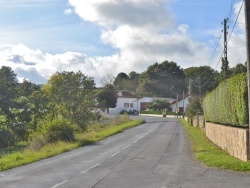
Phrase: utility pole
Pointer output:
(224, 67)
(247, 19)
(177, 106)
(190, 86)
(199, 86)
(183, 111)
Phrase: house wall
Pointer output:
(180, 104)
(137, 103)
(120, 105)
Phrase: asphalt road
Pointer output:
(156, 154)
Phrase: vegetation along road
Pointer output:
(156, 154)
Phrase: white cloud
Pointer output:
(68, 11)
(114, 13)
(237, 41)
(142, 32)
(38, 67)
(183, 28)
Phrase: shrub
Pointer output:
(129, 112)
(59, 130)
(6, 138)
(158, 105)
(228, 103)
(194, 107)
(37, 142)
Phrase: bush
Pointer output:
(37, 142)
(228, 103)
(129, 112)
(6, 138)
(158, 105)
(59, 130)
(194, 107)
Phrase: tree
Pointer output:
(239, 68)
(107, 99)
(108, 80)
(133, 75)
(23, 101)
(120, 81)
(27, 88)
(165, 79)
(204, 77)
(39, 108)
(158, 105)
(71, 97)
(8, 94)
(194, 107)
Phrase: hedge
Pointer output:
(228, 103)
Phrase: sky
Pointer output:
(105, 37)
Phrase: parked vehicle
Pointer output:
(164, 112)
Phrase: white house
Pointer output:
(141, 104)
(125, 101)
(181, 104)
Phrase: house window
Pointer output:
(126, 105)
(131, 105)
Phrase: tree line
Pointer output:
(28, 111)
(167, 79)
(71, 99)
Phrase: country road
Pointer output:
(156, 154)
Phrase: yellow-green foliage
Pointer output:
(228, 103)
(94, 134)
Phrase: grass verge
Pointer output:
(27, 156)
(210, 154)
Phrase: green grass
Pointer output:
(210, 154)
(95, 132)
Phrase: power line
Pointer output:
(214, 52)
(236, 20)
(233, 1)
(230, 13)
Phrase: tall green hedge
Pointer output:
(228, 103)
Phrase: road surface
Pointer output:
(156, 154)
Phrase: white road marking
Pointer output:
(114, 154)
(90, 168)
(127, 146)
(57, 185)
(136, 141)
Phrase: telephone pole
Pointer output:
(199, 86)
(247, 19)
(189, 86)
(224, 67)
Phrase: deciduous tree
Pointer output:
(107, 99)
(71, 96)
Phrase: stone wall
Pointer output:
(233, 140)
(198, 121)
